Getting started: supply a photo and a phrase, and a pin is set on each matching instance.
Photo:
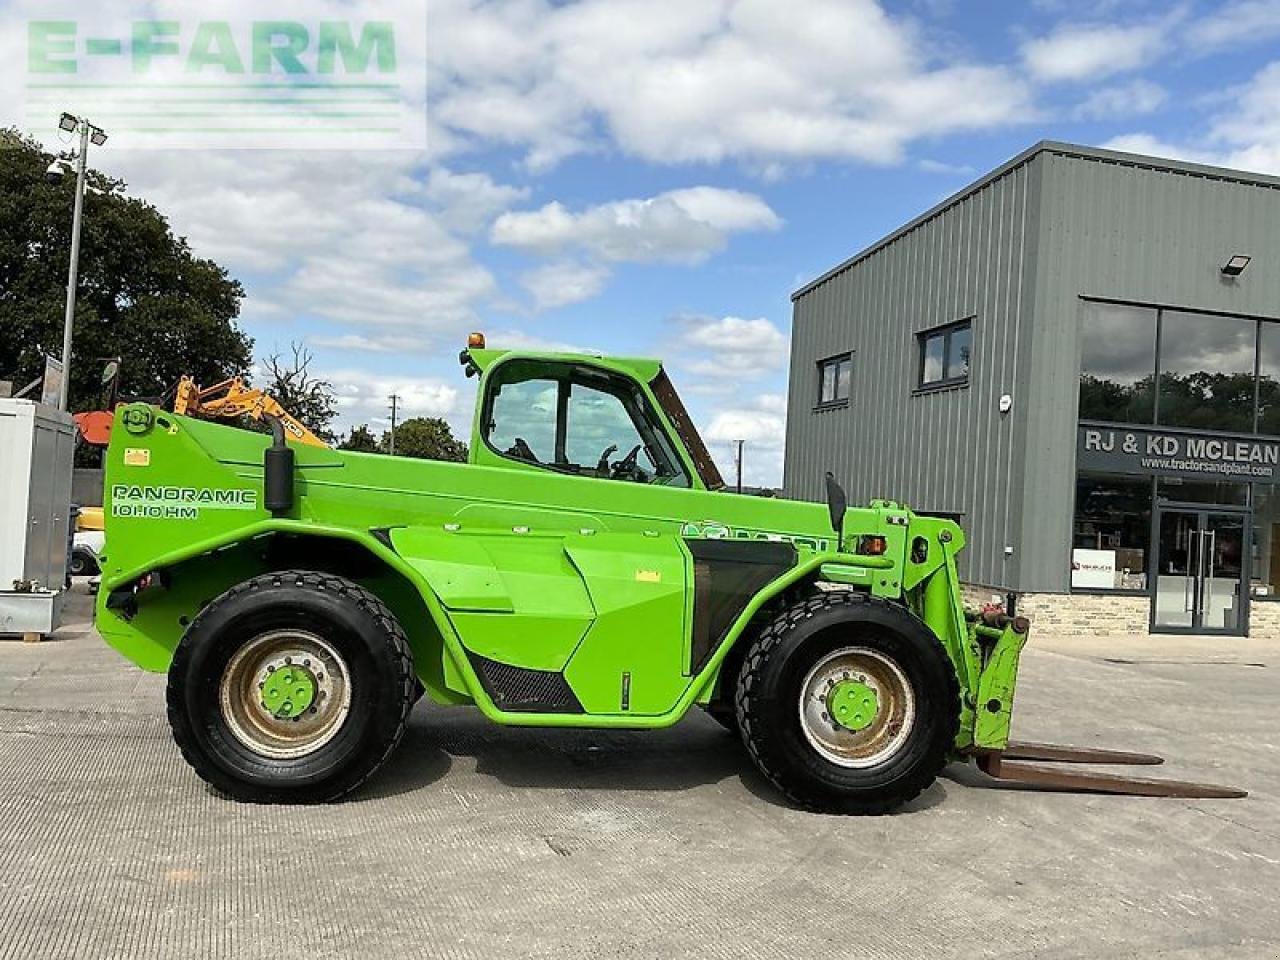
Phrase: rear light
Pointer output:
(871, 546)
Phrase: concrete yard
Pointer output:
(476, 841)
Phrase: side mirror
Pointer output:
(837, 503)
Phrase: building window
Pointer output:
(835, 374)
(1112, 531)
(944, 355)
(1211, 372)
(1207, 368)
(1117, 363)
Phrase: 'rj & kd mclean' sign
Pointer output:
(1141, 450)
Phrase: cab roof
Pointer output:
(642, 368)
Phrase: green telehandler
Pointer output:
(583, 569)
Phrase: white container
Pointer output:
(37, 453)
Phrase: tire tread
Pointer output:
(348, 590)
(750, 718)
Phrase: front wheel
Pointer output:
(290, 687)
(848, 703)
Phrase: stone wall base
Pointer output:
(1063, 614)
(1080, 614)
(1264, 620)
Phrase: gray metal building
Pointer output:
(1066, 352)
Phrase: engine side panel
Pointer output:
(631, 661)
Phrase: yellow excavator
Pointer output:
(230, 399)
(226, 400)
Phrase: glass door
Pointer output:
(1222, 593)
(1199, 583)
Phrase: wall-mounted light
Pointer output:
(1235, 266)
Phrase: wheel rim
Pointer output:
(856, 707)
(285, 693)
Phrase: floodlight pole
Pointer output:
(73, 273)
(739, 463)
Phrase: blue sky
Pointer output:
(657, 177)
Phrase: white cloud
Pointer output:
(1235, 24)
(1245, 136)
(950, 169)
(680, 226)
(761, 423)
(1152, 146)
(704, 80)
(376, 343)
(520, 340)
(469, 201)
(729, 348)
(1123, 100)
(1075, 52)
(1251, 132)
(354, 239)
(563, 282)
(364, 397)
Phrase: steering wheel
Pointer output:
(628, 468)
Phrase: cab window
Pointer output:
(573, 418)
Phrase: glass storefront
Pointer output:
(1111, 532)
(1193, 394)
(1265, 547)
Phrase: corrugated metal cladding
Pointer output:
(945, 450)
(1016, 252)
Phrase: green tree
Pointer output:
(428, 438)
(143, 295)
(305, 397)
(361, 439)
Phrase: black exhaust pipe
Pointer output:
(277, 471)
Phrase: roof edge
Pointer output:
(1044, 146)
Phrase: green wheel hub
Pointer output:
(853, 705)
(289, 692)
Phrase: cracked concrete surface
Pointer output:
(476, 841)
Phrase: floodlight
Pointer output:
(1235, 266)
(97, 136)
(68, 123)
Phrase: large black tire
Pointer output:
(771, 683)
(377, 687)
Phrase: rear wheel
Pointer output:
(290, 687)
(848, 703)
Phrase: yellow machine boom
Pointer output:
(230, 399)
